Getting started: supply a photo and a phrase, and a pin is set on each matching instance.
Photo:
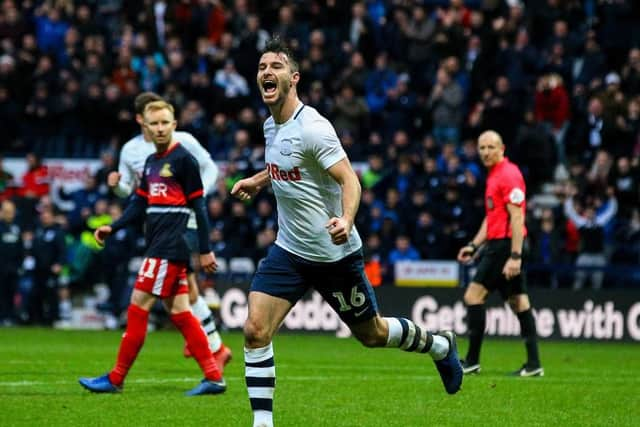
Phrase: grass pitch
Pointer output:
(321, 381)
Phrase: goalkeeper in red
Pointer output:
(170, 188)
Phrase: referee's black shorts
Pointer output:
(489, 270)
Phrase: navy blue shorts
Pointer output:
(191, 237)
(342, 284)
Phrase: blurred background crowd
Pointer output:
(408, 86)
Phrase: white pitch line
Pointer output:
(27, 383)
(302, 378)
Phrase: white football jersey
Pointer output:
(134, 153)
(298, 154)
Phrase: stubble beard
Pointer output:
(161, 146)
(281, 99)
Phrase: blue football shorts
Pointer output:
(342, 283)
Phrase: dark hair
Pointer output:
(143, 99)
(277, 45)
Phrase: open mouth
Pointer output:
(269, 87)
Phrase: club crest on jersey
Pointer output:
(165, 172)
(286, 150)
(278, 174)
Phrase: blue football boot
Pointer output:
(450, 368)
(208, 387)
(100, 385)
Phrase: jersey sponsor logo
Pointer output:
(278, 174)
(165, 172)
(516, 196)
(157, 189)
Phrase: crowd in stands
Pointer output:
(407, 84)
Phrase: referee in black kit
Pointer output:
(500, 265)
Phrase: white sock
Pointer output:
(205, 317)
(260, 377)
(262, 419)
(440, 347)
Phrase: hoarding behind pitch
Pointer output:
(560, 314)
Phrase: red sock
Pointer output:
(131, 343)
(197, 343)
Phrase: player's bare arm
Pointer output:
(340, 227)
(513, 266)
(247, 188)
(465, 255)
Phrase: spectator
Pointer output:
(193, 120)
(79, 203)
(353, 75)
(590, 132)
(361, 32)
(220, 136)
(429, 239)
(534, 147)
(546, 243)
(50, 28)
(379, 81)
(631, 73)
(374, 173)
(403, 251)
(350, 112)
(238, 231)
(591, 63)
(419, 32)
(114, 263)
(318, 99)
(41, 120)
(235, 86)
(401, 107)
(591, 257)
(374, 266)
(264, 239)
(552, 109)
(12, 251)
(625, 180)
(444, 103)
(49, 301)
(35, 182)
(10, 115)
(6, 182)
